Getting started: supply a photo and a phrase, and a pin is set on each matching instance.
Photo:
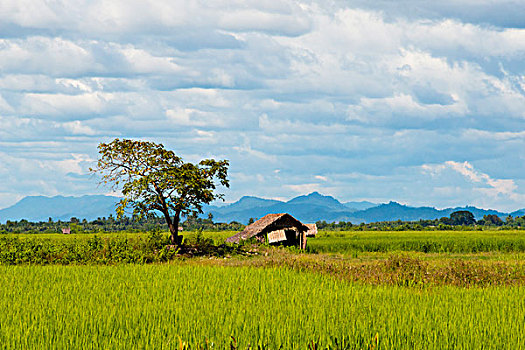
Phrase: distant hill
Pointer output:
(395, 211)
(356, 206)
(40, 208)
(315, 207)
(307, 208)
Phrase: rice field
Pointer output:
(419, 241)
(350, 242)
(181, 305)
(352, 290)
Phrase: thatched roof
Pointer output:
(312, 230)
(266, 224)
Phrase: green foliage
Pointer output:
(110, 224)
(153, 178)
(462, 217)
(194, 223)
(418, 241)
(446, 223)
(153, 246)
(494, 220)
(93, 250)
(185, 306)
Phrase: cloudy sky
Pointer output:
(421, 102)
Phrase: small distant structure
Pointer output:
(66, 230)
(277, 229)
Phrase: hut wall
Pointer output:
(276, 236)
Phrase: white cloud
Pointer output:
(4, 106)
(498, 186)
(142, 62)
(304, 188)
(42, 55)
(247, 150)
(78, 128)
(193, 117)
(256, 20)
(62, 105)
(360, 92)
(505, 189)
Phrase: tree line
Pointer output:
(461, 220)
(114, 224)
(458, 220)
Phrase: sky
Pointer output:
(420, 102)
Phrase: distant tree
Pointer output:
(462, 217)
(251, 221)
(492, 219)
(153, 178)
(445, 221)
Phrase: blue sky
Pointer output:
(422, 102)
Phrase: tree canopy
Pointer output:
(462, 217)
(152, 178)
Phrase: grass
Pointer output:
(354, 290)
(218, 236)
(349, 242)
(352, 242)
(182, 305)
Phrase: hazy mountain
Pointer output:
(247, 202)
(478, 213)
(315, 207)
(395, 211)
(319, 200)
(40, 208)
(308, 208)
(356, 206)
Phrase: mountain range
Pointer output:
(40, 208)
(315, 206)
(308, 208)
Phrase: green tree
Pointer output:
(153, 178)
(462, 217)
(492, 219)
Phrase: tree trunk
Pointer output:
(173, 225)
(175, 237)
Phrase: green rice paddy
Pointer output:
(360, 290)
(419, 241)
(193, 306)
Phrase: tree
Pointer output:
(492, 219)
(153, 178)
(462, 217)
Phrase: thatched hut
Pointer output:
(281, 229)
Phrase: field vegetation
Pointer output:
(182, 306)
(350, 290)
(419, 241)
